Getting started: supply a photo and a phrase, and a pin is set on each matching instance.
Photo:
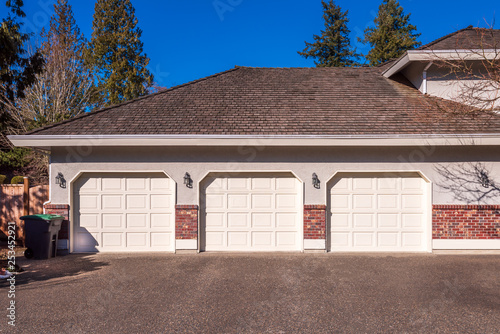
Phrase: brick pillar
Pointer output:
(315, 227)
(186, 227)
(480, 222)
(62, 210)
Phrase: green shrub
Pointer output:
(2, 179)
(17, 180)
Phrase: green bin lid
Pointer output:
(42, 217)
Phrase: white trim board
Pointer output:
(257, 140)
(457, 244)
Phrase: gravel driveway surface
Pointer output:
(257, 293)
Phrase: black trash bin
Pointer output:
(41, 235)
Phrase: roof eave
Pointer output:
(436, 55)
(39, 141)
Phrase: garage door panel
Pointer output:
(286, 220)
(140, 184)
(286, 201)
(160, 202)
(124, 212)
(363, 201)
(340, 240)
(286, 239)
(378, 212)
(238, 240)
(363, 239)
(262, 220)
(89, 220)
(215, 240)
(161, 220)
(363, 184)
(112, 184)
(245, 213)
(341, 202)
(262, 201)
(237, 201)
(112, 221)
(340, 220)
(89, 202)
(161, 240)
(215, 220)
(413, 221)
(137, 202)
(88, 185)
(137, 220)
(262, 184)
(390, 202)
(388, 220)
(286, 184)
(215, 202)
(138, 239)
(238, 184)
(388, 239)
(263, 240)
(238, 220)
(363, 220)
(387, 184)
(412, 239)
(110, 239)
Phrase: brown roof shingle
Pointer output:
(469, 38)
(281, 101)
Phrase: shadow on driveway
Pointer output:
(60, 269)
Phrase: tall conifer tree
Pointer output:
(332, 48)
(392, 35)
(116, 53)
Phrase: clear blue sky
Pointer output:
(189, 39)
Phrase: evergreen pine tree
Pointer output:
(116, 54)
(392, 35)
(332, 48)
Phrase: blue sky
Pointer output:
(189, 39)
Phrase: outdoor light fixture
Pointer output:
(60, 180)
(316, 181)
(188, 181)
(484, 179)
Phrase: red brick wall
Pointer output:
(466, 222)
(314, 221)
(186, 222)
(63, 210)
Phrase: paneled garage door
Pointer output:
(251, 213)
(378, 212)
(124, 212)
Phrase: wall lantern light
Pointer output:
(316, 181)
(60, 180)
(188, 181)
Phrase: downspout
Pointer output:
(424, 74)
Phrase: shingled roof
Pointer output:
(281, 101)
(469, 38)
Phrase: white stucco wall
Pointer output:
(302, 161)
(441, 84)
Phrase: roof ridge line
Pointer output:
(130, 101)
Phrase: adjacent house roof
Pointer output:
(469, 38)
(283, 101)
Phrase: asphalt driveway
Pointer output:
(261, 293)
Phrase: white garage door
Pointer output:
(252, 213)
(378, 212)
(124, 212)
